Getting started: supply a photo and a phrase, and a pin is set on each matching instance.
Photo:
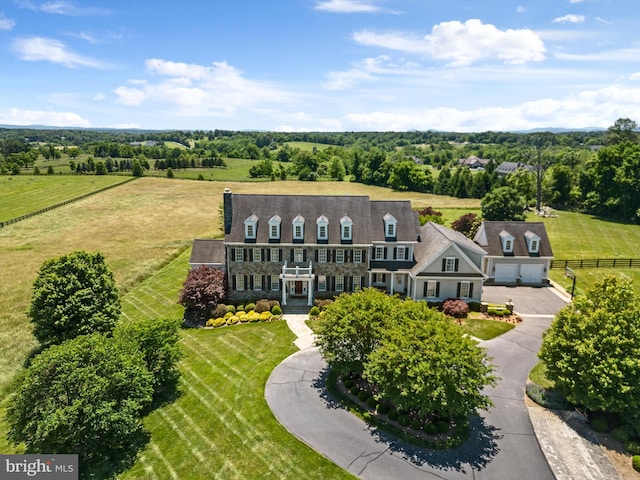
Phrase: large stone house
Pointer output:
(296, 248)
(517, 252)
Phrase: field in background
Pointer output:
(22, 194)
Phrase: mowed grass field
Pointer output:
(575, 235)
(22, 194)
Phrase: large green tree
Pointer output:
(592, 350)
(503, 204)
(73, 295)
(84, 396)
(425, 362)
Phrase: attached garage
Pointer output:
(531, 273)
(506, 273)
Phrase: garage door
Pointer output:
(506, 273)
(531, 273)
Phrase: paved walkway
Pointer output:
(507, 442)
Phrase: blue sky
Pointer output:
(320, 65)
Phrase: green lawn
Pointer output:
(308, 146)
(22, 194)
(220, 426)
(575, 235)
(485, 329)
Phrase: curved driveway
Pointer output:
(502, 443)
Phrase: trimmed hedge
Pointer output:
(632, 447)
(599, 424)
(635, 461)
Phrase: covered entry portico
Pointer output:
(297, 282)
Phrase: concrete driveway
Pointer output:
(502, 444)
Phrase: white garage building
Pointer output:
(518, 253)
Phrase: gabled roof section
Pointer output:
(488, 237)
(435, 239)
(207, 252)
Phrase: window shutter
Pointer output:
(264, 283)
(456, 265)
(268, 254)
(304, 255)
(333, 255)
(251, 282)
(471, 290)
(364, 256)
(362, 285)
(233, 282)
(264, 287)
(245, 254)
(233, 254)
(315, 256)
(385, 253)
(458, 291)
(395, 253)
(424, 290)
(279, 254)
(263, 251)
(292, 254)
(250, 257)
(437, 289)
(444, 264)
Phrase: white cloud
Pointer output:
(347, 6)
(576, 1)
(17, 116)
(569, 18)
(521, 9)
(198, 90)
(63, 8)
(99, 97)
(36, 49)
(464, 43)
(367, 70)
(634, 76)
(6, 23)
(619, 55)
(590, 108)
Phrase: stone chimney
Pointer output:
(228, 210)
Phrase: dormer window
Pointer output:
(507, 242)
(346, 228)
(390, 224)
(274, 227)
(533, 242)
(323, 228)
(250, 227)
(298, 228)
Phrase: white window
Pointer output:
(464, 289)
(340, 256)
(357, 256)
(508, 245)
(275, 254)
(250, 226)
(239, 254)
(274, 227)
(275, 282)
(450, 264)
(257, 254)
(298, 228)
(298, 255)
(431, 289)
(379, 278)
(389, 225)
(322, 255)
(322, 223)
(239, 282)
(533, 241)
(339, 283)
(257, 282)
(379, 253)
(322, 283)
(534, 246)
(401, 253)
(357, 284)
(345, 228)
(507, 241)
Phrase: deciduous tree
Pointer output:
(73, 295)
(503, 204)
(202, 290)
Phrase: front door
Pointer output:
(298, 288)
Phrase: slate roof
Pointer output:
(488, 237)
(435, 238)
(208, 252)
(367, 217)
(508, 167)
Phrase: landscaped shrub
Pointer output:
(348, 383)
(262, 306)
(273, 303)
(322, 304)
(363, 396)
(474, 306)
(228, 315)
(314, 312)
(599, 424)
(547, 398)
(620, 434)
(442, 426)
(416, 425)
(240, 308)
(393, 415)
(430, 429)
(383, 408)
(403, 420)
(232, 320)
(455, 308)
(220, 310)
(632, 447)
(219, 322)
(249, 306)
(265, 316)
(231, 309)
(635, 461)
(276, 310)
(372, 403)
(354, 390)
